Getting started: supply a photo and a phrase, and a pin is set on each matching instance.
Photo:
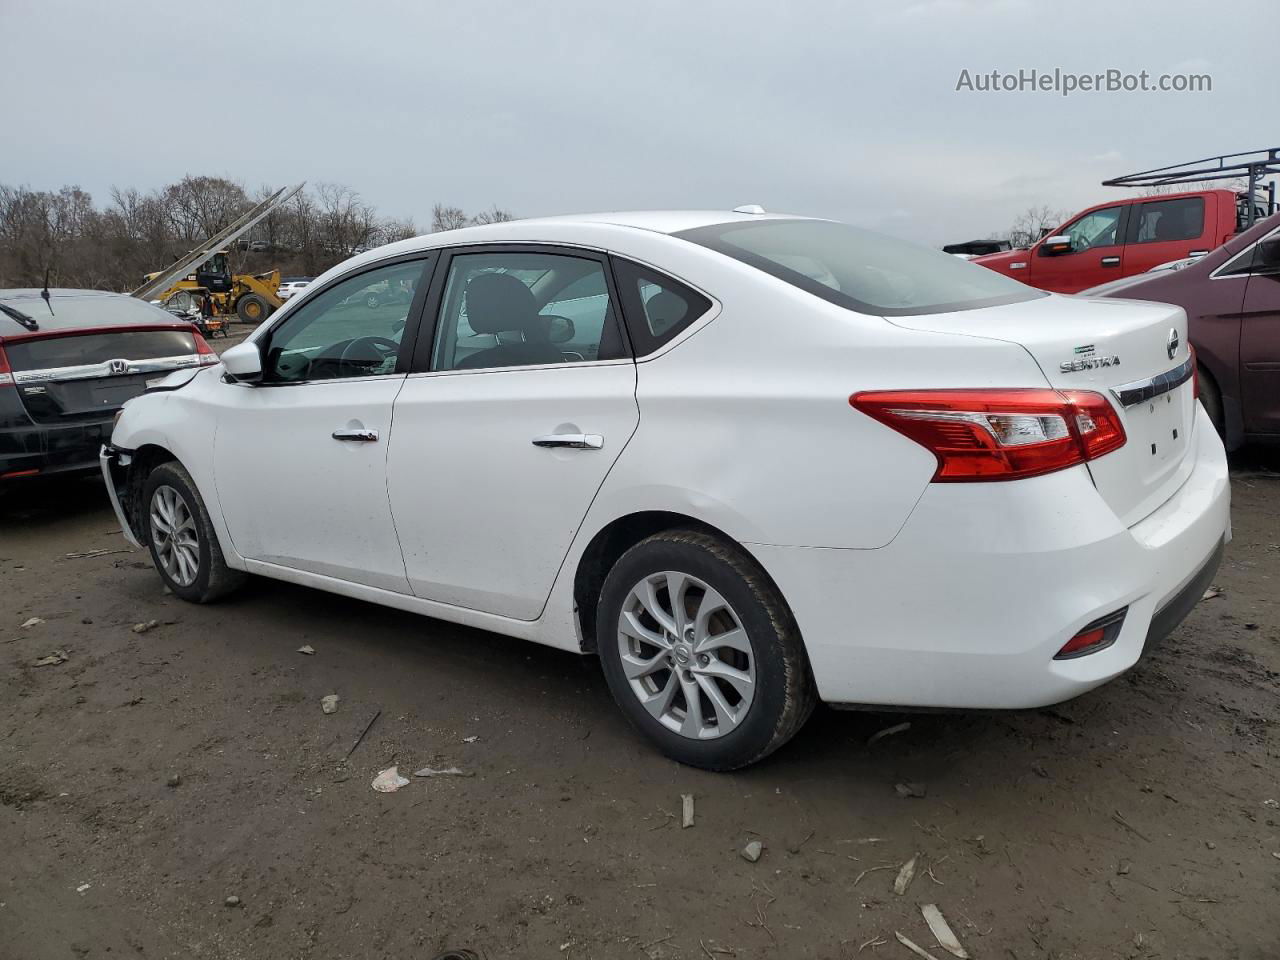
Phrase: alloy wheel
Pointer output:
(686, 655)
(174, 534)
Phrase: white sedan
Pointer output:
(749, 461)
(291, 287)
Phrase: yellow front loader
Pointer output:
(251, 297)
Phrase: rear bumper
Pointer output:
(51, 448)
(985, 583)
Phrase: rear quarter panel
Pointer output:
(745, 423)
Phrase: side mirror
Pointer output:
(560, 329)
(1268, 254)
(243, 362)
(1056, 245)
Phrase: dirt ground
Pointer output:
(153, 775)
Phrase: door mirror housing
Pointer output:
(243, 362)
(1056, 245)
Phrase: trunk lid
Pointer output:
(71, 377)
(1134, 353)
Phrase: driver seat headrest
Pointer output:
(498, 302)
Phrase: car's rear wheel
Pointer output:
(184, 547)
(701, 652)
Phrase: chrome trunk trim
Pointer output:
(1140, 391)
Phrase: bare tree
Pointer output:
(137, 233)
(444, 217)
(494, 214)
(1033, 223)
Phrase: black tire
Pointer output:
(213, 578)
(252, 308)
(1211, 400)
(784, 692)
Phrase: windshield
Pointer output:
(861, 270)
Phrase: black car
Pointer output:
(69, 363)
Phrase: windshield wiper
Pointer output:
(18, 315)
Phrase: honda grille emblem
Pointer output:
(118, 367)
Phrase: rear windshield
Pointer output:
(861, 270)
(98, 348)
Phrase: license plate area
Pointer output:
(1160, 425)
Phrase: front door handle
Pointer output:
(1111, 261)
(574, 441)
(356, 436)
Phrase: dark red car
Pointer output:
(1232, 299)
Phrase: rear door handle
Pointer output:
(574, 441)
(356, 436)
(1111, 261)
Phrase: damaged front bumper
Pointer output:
(115, 474)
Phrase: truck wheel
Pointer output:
(251, 308)
(184, 546)
(701, 652)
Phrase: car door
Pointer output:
(1095, 254)
(516, 409)
(300, 457)
(1260, 350)
(1161, 231)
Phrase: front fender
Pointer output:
(183, 425)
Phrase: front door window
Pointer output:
(352, 329)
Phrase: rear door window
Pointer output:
(1163, 221)
(524, 308)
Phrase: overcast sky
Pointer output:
(839, 109)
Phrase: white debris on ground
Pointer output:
(389, 781)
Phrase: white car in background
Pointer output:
(290, 286)
(750, 461)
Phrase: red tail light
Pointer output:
(6, 372)
(999, 434)
(1195, 372)
(204, 352)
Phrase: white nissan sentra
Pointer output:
(750, 461)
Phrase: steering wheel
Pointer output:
(376, 351)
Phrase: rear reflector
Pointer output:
(1093, 638)
(1195, 373)
(14, 474)
(1001, 434)
(6, 372)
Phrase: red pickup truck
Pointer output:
(1124, 237)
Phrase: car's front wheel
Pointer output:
(701, 652)
(184, 547)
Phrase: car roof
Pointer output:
(75, 309)
(662, 221)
